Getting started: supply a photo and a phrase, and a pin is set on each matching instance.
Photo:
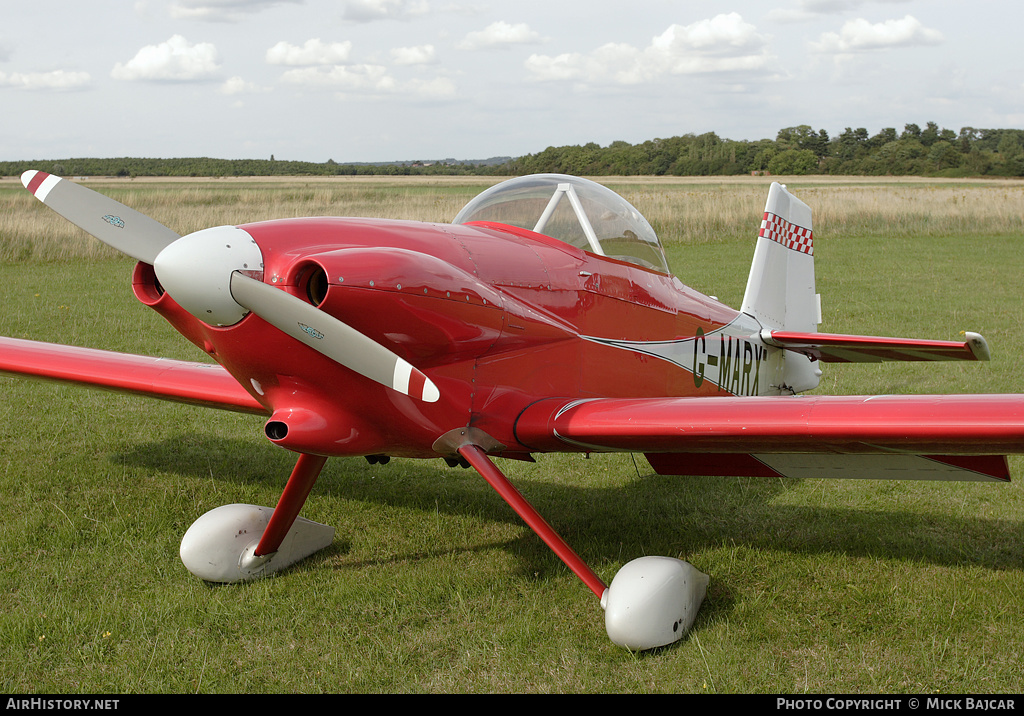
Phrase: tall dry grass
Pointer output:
(695, 212)
(689, 210)
(30, 231)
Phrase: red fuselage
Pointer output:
(497, 317)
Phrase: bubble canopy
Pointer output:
(577, 211)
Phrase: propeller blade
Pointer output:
(142, 238)
(111, 222)
(329, 336)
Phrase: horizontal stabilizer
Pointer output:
(205, 384)
(836, 348)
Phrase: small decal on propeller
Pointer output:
(311, 331)
(114, 221)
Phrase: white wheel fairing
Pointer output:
(652, 602)
(220, 545)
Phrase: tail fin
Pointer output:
(780, 289)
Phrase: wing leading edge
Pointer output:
(202, 384)
(934, 437)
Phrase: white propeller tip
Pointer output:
(410, 381)
(430, 392)
(39, 183)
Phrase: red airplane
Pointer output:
(543, 319)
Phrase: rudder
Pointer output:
(780, 289)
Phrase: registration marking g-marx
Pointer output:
(731, 358)
(735, 367)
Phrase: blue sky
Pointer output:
(374, 80)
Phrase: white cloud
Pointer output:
(419, 55)
(176, 60)
(860, 35)
(437, 88)
(352, 78)
(720, 36)
(614, 62)
(808, 10)
(237, 85)
(221, 10)
(371, 79)
(370, 10)
(500, 34)
(724, 43)
(830, 7)
(313, 52)
(56, 80)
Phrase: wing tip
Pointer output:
(977, 344)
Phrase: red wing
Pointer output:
(956, 436)
(202, 384)
(837, 348)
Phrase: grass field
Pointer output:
(433, 584)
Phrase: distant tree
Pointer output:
(904, 156)
(882, 138)
(1009, 146)
(977, 162)
(1011, 155)
(794, 161)
(794, 137)
(968, 136)
(930, 134)
(763, 158)
(820, 144)
(943, 155)
(850, 142)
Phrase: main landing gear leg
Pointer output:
(235, 543)
(478, 459)
(652, 601)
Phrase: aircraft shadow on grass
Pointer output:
(650, 514)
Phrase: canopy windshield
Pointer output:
(577, 211)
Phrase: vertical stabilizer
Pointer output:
(780, 289)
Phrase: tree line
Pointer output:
(930, 151)
(927, 151)
(210, 167)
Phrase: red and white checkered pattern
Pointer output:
(788, 234)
